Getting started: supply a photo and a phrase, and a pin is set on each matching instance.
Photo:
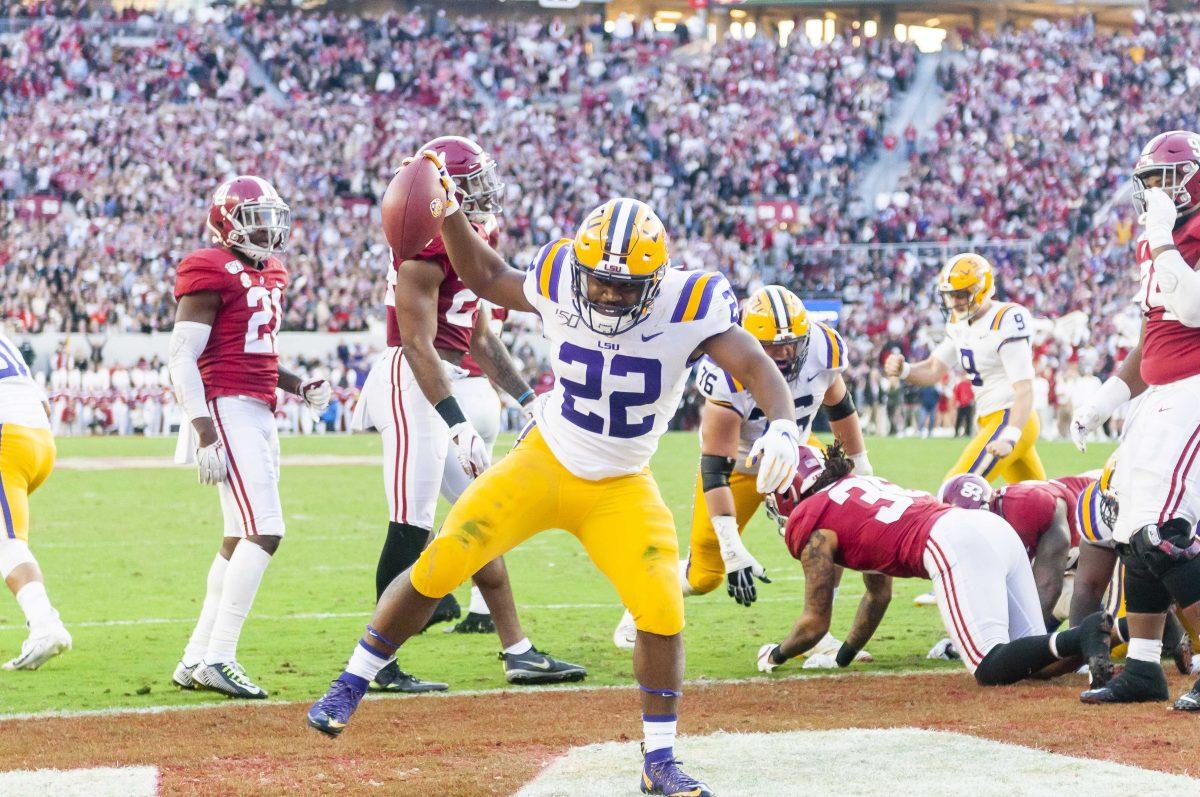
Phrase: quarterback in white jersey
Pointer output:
(624, 328)
(990, 341)
(26, 459)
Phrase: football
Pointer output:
(412, 208)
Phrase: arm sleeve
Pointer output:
(1179, 286)
(1017, 358)
(188, 340)
(946, 353)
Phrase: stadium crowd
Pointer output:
(112, 144)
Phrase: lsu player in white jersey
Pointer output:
(990, 341)
(624, 329)
(811, 356)
(26, 460)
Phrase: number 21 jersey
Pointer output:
(614, 395)
(240, 358)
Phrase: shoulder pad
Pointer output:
(832, 349)
(715, 383)
(547, 266)
(1011, 321)
(700, 288)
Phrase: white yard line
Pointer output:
(162, 709)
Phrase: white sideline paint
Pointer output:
(509, 690)
(857, 763)
(97, 782)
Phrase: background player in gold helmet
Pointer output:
(990, 342)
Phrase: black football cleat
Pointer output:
(1189, 700)
(447, 610)
(473, 623)
(534, 667)
(1182, 655)
(395, 680)
(1139, 682)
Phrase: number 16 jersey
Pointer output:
(614, 395)
(976, 345)
(240, 358)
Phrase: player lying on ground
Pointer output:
(1158, 483)
(990, 341)
(439, 417)
(624, 328)
(225, 369)
(811, 356)
(26, 459)
(980, 572)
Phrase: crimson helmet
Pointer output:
(780, 505)
(1175, 157)
(966, 491)
(474, 172)
(248, 216)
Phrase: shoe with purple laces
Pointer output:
(661, 775)
(331, 713)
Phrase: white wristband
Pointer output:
(1010, 434)
(1112, 394)
(905, 368)
(726, 529)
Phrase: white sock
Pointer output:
(659, 730)
(35, 603)
(244, 574)
(524, 646)
(684, 585)
(1145, 650)
(365, 663)
(478, 604)
(198, 642)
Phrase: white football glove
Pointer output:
(862, 465)
(470, 449)
(741, 568)
(1159, 219)
(211, 464)
(764, 658)
(777, 453)
(316, 394)
(1085, 421)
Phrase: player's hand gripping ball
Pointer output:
(417, 200)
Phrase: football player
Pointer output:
(1159, 478)
(435, 333)
(980, 572)
(990, 341)
(811, 356)
(1037, 514)
(624, 328)
(225, 371)
(26, 459)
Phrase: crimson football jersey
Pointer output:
(1069, 488)
(1029, 509)
(1170, 350)
(457, 304)
(240, 358)
(880, 527)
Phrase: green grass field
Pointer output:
(125, 554)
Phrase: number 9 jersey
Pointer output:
(978, 347)
(240, 358)
(614, 395)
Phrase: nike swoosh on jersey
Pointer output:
(646, 337)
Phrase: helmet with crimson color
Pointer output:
(474, 173)
(247, 215)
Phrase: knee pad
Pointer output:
(1144, 591)
(1162, 548)
(13, 554)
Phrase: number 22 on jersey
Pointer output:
(596, 372)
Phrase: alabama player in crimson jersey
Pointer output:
(1037, 513)
(1159, 478)
(420, 396)
(980, 573)
(225, 370)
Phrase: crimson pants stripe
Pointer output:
(971, 650)
(1175, 496)
(235, 484)
(400, 473)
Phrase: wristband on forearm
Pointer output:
(1010, 435)
(526, 397)
(451, 413)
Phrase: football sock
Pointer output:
(403, 545)
(1144, 650)
(197, 644)
(1018, 659)
(1122, 626)
(659, 730)
(1172, 632)
(365, 663)
(36, 605)
(524, 646)
(478, 604)
(684, 584)
(1082, 640)
(242, 577)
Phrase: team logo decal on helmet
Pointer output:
(965, 277)
(967, 491)
(777, 319)
(618, 259)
